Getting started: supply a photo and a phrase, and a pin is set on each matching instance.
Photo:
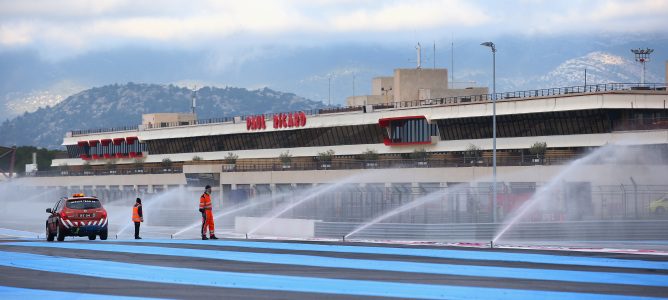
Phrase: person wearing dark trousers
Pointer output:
(137, 217)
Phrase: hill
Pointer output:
(121, 105)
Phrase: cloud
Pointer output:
(411, 15)
(70, 27)
(640, 16)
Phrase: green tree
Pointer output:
(326, 156)
(420, 154)
(23, 156)
(231, 158)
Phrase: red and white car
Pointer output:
(77, 216)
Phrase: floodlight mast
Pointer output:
(493, 47)
(642, 56)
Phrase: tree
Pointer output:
(231, 158)
(197, 158)
(138, 163)
(23, 156)
(285, 158)
(369, 155)
(166, 163)
(326, 157)
(111, 164)
(420, 154)
(538, 149)
(473, 152)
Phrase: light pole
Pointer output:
(642, 56)
(491, 45)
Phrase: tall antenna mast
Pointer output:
(419, 55)
(194, 100)
(642, 56)
(452, 62)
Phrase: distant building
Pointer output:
(412, 84)
(167, 119)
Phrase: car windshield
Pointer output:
(83, 204)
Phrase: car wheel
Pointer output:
(660, 210)
(103, 234)
(59, 233)
(49, 236)
(92, 237)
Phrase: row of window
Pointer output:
(402, 131)
(539, 124)
(99, 150)
(411, 131)
(316, 137)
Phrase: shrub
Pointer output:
(538, 149)
(420, 154)
(326, 156)
(473, 151)
(285, 157)
(166, 163)
(369, 155)
(231, 158)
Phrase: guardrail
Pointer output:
(596, 88)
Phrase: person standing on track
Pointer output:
(207, 214)
(137, 217)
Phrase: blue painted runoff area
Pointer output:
(376, 265)
(439, 253)
(7, 292)
(169, 275)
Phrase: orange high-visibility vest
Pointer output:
(205, 201)
(135, 213)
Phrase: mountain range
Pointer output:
(123, 105)
(336, 70)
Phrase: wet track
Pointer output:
(234, 269)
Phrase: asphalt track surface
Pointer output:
(246, 269)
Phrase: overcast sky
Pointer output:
(66, 28)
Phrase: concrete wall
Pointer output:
(407, 82)
(471, 91)
(381, 86)
(367, 99)
(596, 174)
(297, 228)
(108, 180)
(156, 119)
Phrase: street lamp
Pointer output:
(491, 45)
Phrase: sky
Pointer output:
(65, 28)
(77, 34)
